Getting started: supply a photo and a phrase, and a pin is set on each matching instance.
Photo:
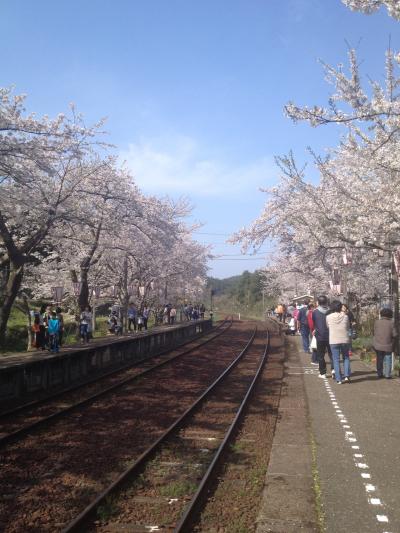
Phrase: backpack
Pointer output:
(302, 317)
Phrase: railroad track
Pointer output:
(48, 477)
(22, 421)
(165, 488)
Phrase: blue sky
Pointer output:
(193, 91)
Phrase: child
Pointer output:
(53, 329)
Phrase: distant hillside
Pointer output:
(239, 294)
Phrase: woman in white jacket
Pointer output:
(339, 340)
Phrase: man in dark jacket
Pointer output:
(321, 333)
(304, 327)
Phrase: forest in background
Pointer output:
(240, 294)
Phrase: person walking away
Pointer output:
(61, 321)
(132, 313)
(339, 340)
(295, 315)
(172, 315)
(85, 320)
(279, 312)
(314, 357)
(292, 326)
(145, 315)
(304, 328)
(321, 333)
(384, 334)
(53, 328)
(140, 321)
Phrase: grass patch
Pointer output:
(108, 509)
(177, 489)
(317, 487)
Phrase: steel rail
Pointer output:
(84, 517)
(81, 384)
(195, 503)
(26, 430)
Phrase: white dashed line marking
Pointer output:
(350, 437)
(382, 518)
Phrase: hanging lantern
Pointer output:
(336, 276)
(113, 291)
(347, 257)
(57, 293)
(96, 291)
(76, 287)
(396, 260)
(131, 290)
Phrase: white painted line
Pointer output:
(349, 436)
(375, 501)
(382, 518)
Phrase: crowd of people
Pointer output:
(330, 329)
(47, 328)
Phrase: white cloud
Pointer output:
(178, 165)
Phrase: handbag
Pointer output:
(313, 344)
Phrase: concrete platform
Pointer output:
(355, 434)
(34, 373)
(288, 502)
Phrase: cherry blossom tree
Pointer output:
(40, 164)
(369, 6)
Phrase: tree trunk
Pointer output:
(83, 300)
(10, 293)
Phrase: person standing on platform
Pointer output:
(53, 328)
(279, 312)
(339, 340)
(132, 313)
(85, 322)
(384, 334)
(172, 315)
(314, 357)
(321, 333)
(145, 314)
(304, 327)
